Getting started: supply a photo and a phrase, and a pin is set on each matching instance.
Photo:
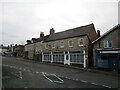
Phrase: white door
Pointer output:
(67, 58)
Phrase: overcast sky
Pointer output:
(25, 19)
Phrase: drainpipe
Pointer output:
(84, 59)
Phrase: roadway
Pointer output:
(21, 73)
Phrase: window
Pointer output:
(107, 43)
(36, 49)
(46, 46)
(80, 42)
(62, 44)
(53, 45)
(32, 41)
(70, 43)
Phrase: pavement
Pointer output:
(106, 72)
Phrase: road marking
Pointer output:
(66, 77)
(28, 70)
(83, 81)
(94, 83)
(37, 72)
(60, 80)
(24, 69)
(18, 74)
(77, 80)
(106, 86)
(46, 76)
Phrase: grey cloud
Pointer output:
(26, 19)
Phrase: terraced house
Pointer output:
(106, 50)
(71, 46)
(33, 48)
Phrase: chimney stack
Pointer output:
(28, 41)
(98, 32)
(41, 34)
(52, 31)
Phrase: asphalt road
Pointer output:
(20, 73)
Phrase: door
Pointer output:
(67, 58)
(40, 57)
(114, 62)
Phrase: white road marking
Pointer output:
(94, 83)
(20, 74)
(66, 77)
(77, 80)
(24, 69)
(46, 76)
(59, 78)
(37, 72)
(83, 81)
(28, 70)
(20, 68)
(58, 82)
(106, 86)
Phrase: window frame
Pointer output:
(69, 43)
(106, 44)
(53, 45)
(46, 46)
(62, 46)
(79, 42)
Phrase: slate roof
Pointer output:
(3, 47)
(75, 32)
(42, 38)
(38, 39)
(108, 32)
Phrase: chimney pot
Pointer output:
(52, 31)
(98, 32)
(41, 34)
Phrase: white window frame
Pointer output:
(36, 49)
(69, 43)
(107, 42)
(53, 45)
(79, 42)
(61, 46)
(32, 41)
(46, 46)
